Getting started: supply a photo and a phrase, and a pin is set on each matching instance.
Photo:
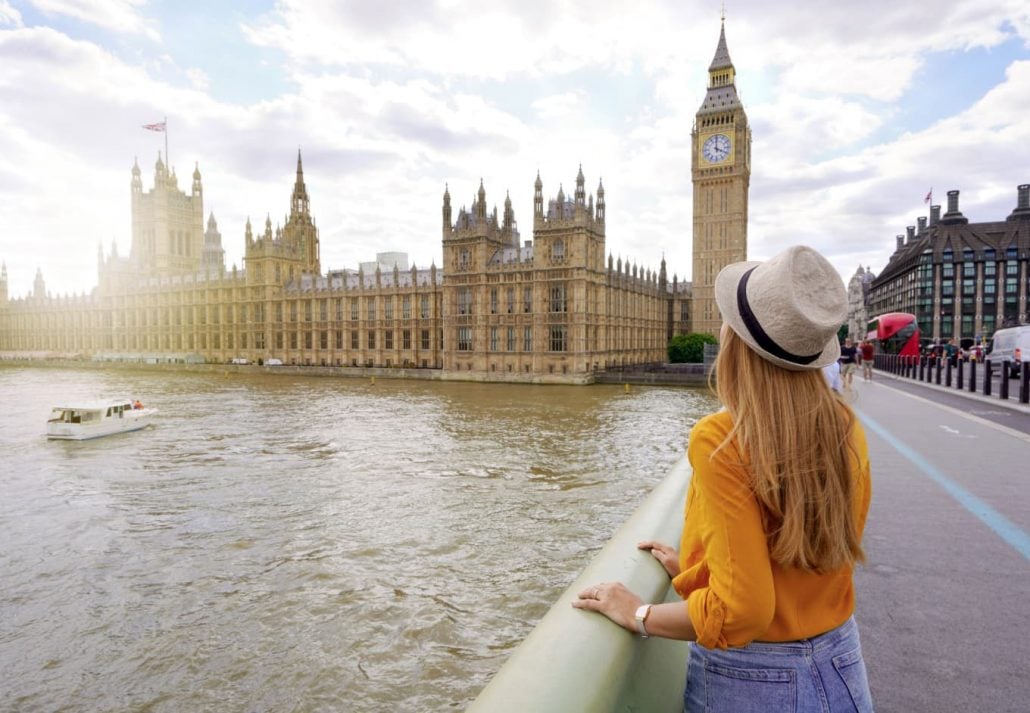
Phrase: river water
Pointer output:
(280, 543)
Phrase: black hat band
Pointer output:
(761, 338)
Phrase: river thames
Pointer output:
(281, 543)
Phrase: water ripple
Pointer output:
(296, 544)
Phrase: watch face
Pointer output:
(716, 148)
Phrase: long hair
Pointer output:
(793, 435)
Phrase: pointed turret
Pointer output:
(198, 189)
(721, 60)
(137, 180)
(480, 208)
(299, 205)
(38, 285)
(600, 201)
(538, 197)
(446, 209)
(581, 194)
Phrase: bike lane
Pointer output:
(941, 599)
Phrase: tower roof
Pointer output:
(722, 52)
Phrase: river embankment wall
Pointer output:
(672, 375)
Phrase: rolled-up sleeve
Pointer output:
(737, 603)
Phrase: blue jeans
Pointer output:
(824, 674)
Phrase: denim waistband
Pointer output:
(829, 639)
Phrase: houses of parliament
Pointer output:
(553, 308)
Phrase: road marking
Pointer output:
(1001, 525)
(965, 414)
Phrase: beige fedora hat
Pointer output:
(788, 308)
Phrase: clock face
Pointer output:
(716, 148)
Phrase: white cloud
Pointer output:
(198, 79)
(390, 101)
(9, 15)
(121, 16)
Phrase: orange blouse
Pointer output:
(735, 593)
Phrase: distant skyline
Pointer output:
(857, 111)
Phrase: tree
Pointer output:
(689, 348)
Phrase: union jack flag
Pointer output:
(155, 127)
(929, 196)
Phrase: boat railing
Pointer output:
(580, 661)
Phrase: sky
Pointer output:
(857, 110)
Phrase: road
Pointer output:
(942, 599)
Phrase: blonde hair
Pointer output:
(793, 435)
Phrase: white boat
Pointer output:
(93, 420)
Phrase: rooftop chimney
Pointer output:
(935, 215)
(901, 241)
(1022, 202)
(954, 215)
(921, 220)
(910, 234)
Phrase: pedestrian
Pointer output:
(867, 353)
(832, 374)
(775, 510)
(848, 362)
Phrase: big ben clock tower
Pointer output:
(721, 170)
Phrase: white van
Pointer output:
(1013, 345)
(240, 360)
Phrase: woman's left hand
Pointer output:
(613, 600)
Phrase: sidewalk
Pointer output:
(941, 600)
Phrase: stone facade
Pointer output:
(858, 293)
(558, 307)
(961, 280)
(721, 169)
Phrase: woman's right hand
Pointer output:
(667, 556)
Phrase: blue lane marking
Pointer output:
(1001, 525)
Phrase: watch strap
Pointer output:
(643, 611)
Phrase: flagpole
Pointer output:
(168, 159)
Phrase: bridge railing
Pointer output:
(969, 376)
(580, 661)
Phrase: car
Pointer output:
(273, 362)
(1012, 345)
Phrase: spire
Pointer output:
(581, 194)
(446, 209)
(538, 197)
(299, 200)
(722, 53)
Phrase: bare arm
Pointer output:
(670, 620)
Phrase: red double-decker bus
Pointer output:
(895, 333)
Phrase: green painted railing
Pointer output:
(579, 661)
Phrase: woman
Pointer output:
(775, 509)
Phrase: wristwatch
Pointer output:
(643, 611)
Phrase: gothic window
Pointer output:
(527, 339)
(406, 339)
(464, 259)
(371, 306)
(558, 301)
(371, 339)
(323, 310)
(464, 300)
(389, 339)
(493, 300)
(464, 339)
(425, 339)
(354, 309)
(558, 250)
(307, 310)
(353, 339)
(424, 307)
(406, 307)
(323, 339)
(388, 307)
(558, 338)
(527, 299)
(493, 339)
(511, 339)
